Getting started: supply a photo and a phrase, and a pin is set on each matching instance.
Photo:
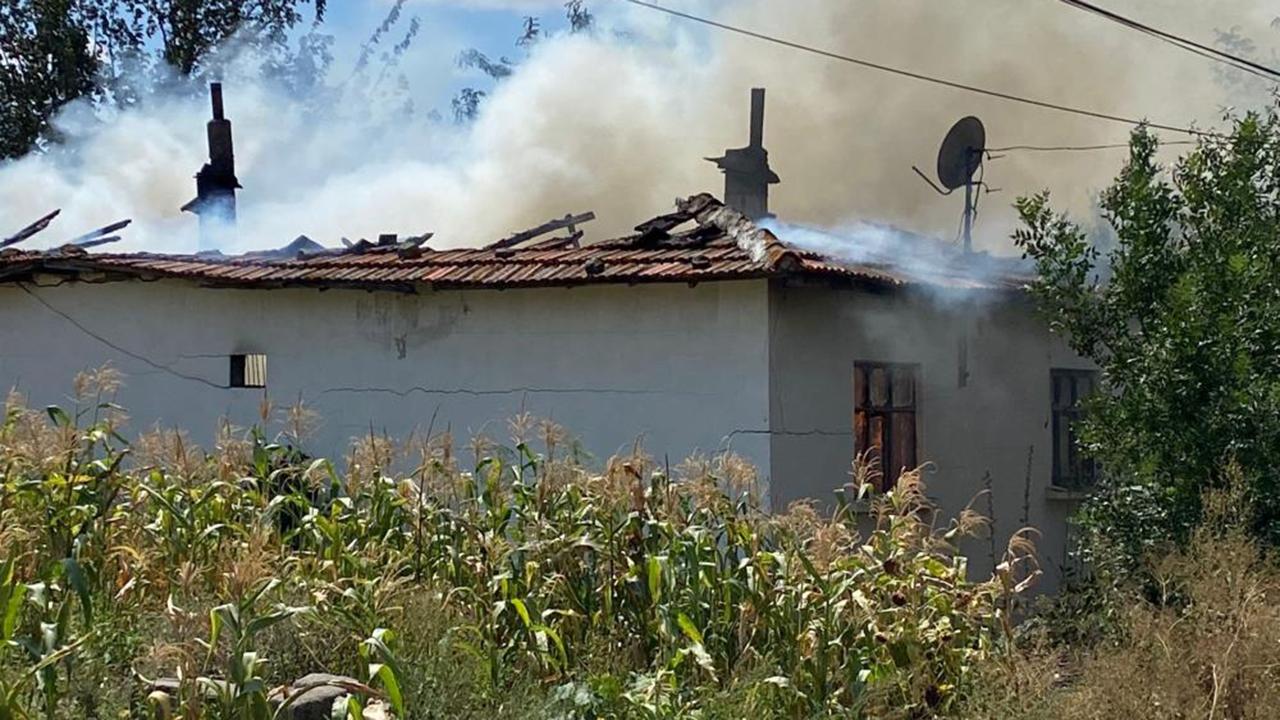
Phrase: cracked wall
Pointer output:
(679, 367)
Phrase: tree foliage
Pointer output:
(189, 29)
(56, 51)
(466, 104)
(1185, 328)
(579, 17)
(45, 62)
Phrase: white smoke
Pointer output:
(618, 121)
(862, 243)
(899, 252)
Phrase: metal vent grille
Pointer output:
(249, 371)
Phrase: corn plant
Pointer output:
(43, 636)
(635, 590)
(242, 692)
(381, 667)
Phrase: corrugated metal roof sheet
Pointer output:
(723, 245)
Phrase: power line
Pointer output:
(922, 77)
(1076, 148)
(140, 358)
(1191, 46)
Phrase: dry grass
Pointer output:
(1205, 644)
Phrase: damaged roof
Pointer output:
(703, 240)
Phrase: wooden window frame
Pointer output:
(1083, 472)
(893, 416)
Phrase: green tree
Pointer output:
(56, 51)
(189, 29)
(1182, 315)
(45, 62)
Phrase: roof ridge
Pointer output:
(761, 244)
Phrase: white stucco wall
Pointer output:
(765, 370)
(997, 423)
(680, 367)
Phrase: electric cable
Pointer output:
(1095, 114)
(1191, 46)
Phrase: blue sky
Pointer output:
(448, 27)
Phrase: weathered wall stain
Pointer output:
(400, 323)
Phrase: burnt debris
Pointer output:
(93, 238)
(101, 236)
(301, 246)
(747, 175)
(568, 222)
(28, 231)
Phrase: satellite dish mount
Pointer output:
(959, 160)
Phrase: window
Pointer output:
(249, 371)
(884, 416)
(1071, 469)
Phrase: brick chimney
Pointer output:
(216, 183)
(747, 175)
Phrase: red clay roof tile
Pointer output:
(722, 245)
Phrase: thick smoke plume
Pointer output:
(618, 122)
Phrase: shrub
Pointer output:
(1180, 315)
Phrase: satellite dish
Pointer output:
(961, 153)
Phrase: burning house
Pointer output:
(702, 330)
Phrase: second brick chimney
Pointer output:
(747, 175)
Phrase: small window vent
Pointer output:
(249, 371)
